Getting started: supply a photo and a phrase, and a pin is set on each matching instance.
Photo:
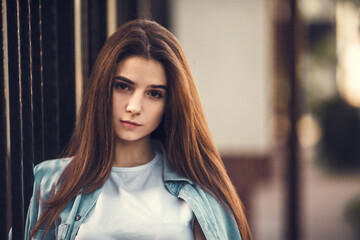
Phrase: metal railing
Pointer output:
(37, 71)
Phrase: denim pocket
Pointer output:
(61, 231)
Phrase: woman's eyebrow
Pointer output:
(158, 86)
(133, 83)
(125, 80)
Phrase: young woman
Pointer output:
(141, 162)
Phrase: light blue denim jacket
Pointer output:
(213, 219)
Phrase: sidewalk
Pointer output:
(323, 200)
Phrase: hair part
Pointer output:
(183, 132)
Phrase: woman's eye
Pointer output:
(122, 86)
(155, 94)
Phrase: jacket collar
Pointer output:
(170, 175)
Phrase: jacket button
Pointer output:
(77, 218)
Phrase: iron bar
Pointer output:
(293, 229)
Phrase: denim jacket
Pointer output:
(215, 222)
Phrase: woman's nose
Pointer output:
(134, 104)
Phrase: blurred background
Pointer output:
(279, 81)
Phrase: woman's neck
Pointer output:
(132, 154)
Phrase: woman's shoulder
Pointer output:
(49, 167)
(52, 165)
(50, 170)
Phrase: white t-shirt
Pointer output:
(134, 204)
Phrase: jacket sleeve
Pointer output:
(45, 177)
(225, 220)
(33, 210)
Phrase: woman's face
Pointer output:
(139, 97)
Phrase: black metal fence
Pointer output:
(37, 97)
(37, 86)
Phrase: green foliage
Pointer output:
(352, 214)
(340, 143)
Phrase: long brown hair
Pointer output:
(183, 132)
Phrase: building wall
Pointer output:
(226, 45)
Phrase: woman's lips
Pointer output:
(130, 124)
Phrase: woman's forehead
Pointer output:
(141, 70)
